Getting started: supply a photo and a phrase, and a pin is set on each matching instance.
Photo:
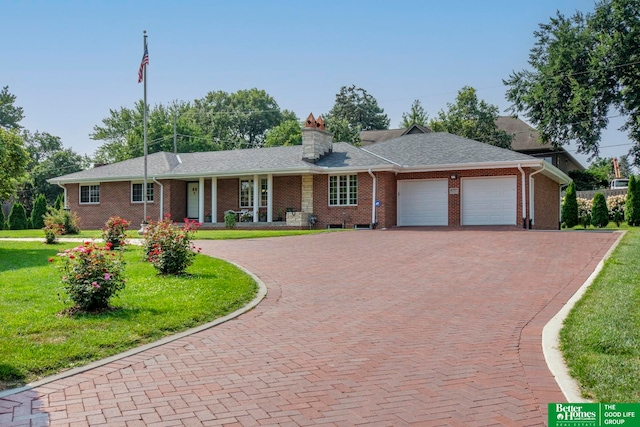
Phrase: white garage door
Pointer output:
(423, 202)
(489, 201)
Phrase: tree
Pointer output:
(17, 217)
(570, 207)
(353, 111)
(286, 133)
(10, 115)
(13, 160)
(583, 67)
(59, 202)
(471, 118)
(2, 221)
(417, 116)
(38, 211)
(632, 205)
(599, 211)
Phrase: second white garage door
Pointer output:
(423, 202)
(489, 201)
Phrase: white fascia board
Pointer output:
(555, 174)
(469, 166)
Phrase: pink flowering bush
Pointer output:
(169, 247)
(51, 233)
(114, 231)
(91, 275)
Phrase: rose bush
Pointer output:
(169, 247)
(115, 231)
(91, 275)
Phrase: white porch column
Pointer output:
(201, 200)
(214, 199)
(270, 198)
(256, 197)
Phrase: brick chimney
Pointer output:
(316, 141)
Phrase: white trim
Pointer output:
(201, 199)
(88, 184)
(214, 199)
(257, 196)
(270, 198)
(141, 183)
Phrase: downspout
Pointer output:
(65, 194)
(524, 198)
(532, 196)
(161, 197)
(373, 199)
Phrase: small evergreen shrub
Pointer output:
(91, 275)
(18, 217)
(59, 202)
(570, 215)
(39, 211)
(2, 223)
(599, 211)
(66, 219)
(632, 207)
(115, 231)
(169, 247)
(230, 220)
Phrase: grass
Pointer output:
(35, 341)
(200, 234)
(601, 336)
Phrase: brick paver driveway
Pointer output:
(399, 327)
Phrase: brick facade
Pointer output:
(115, 199)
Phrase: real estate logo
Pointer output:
(593, 414)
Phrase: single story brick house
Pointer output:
(421, 179)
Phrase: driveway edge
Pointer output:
(551, 336)
(260, 295)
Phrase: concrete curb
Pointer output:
(260, 295)
(551, 337)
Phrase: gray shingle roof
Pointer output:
(440, 148)
(345, 155)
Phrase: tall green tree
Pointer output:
(17, 217)
(10, 115)
(471, 118)
(13, 160)
(570, 215)
(416, 116)
(286, 133)
(583, 68)
(39, 211)
(599, 211)
(632, 204)
(354, 110)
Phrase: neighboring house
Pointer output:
(527, 141)
(418, 179)
(368, 137)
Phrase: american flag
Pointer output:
(145, 62)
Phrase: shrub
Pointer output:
(230, 219)
(59, 202)
(570, 207)
(2, 224)
(584, 211)
(91, 275)
(51, 233)
(599, 212)
(168, 247)
(17, 217)
(39, 211)
(615, 206)
(66, 219)
(632, 207)
(115, 231)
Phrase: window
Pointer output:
(89, 194)
(136, 192)
(343, 190)
(246, 192)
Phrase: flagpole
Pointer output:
(144, 185)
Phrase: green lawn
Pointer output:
(35, 341)
(601, 336)
(200, 234)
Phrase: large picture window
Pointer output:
(136, 192)
(343, 190)
(246, 193)
(89, 194)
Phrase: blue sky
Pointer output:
(69, 62)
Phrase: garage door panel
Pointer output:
(423, 202)
(489, 201)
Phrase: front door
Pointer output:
(192, 200)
